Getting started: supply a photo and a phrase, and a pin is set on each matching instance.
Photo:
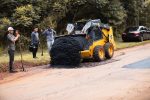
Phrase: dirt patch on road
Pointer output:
(8, 77)
(18, 65)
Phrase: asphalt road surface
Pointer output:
(125, 77)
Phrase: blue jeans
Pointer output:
(49, 45)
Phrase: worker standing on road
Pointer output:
(49, 33)
(11, 47)
(35, 41)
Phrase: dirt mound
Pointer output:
(18, 65)
(65, 51)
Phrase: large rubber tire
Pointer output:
(66, 52)
(109, 50)
(99, 54)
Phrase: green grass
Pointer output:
(27, 56)
(27, 60)
(122, 45)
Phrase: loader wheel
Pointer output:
(99, 53)
(109, 50)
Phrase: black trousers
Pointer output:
(11, 59)
(35, 49)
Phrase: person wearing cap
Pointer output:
(11, 47)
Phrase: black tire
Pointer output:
(99, 53)
(141, 39)
(66, 52)
(109, 50)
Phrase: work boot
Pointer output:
(12, 71)
(35, 57)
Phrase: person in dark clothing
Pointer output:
(35, 41)
(11, 47)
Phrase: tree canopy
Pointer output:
(24, 14)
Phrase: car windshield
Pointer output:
(130, 29)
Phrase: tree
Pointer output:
(4, 23)
(144, 19)
(7, 7)
(25, 16)
(133, 8)
(114, 12)
(109, 11)
(27, 13)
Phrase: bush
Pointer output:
(4, 23)
(23, 42)
(25, 16)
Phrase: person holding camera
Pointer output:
(11, 47)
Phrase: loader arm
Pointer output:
(108, 36)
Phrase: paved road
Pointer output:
(125, 77)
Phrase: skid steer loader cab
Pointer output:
(102, 45)
(99, 40)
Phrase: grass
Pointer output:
(122, 45)
(27, 56)
(27, 59)
(43, 60)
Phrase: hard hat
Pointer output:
(10, 28)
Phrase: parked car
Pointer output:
(140, 33)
